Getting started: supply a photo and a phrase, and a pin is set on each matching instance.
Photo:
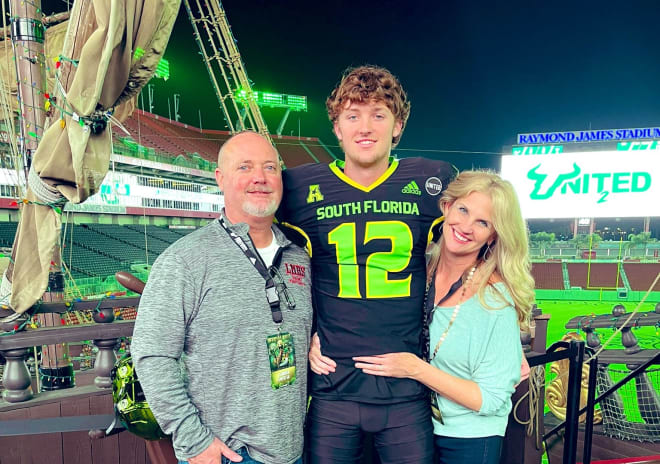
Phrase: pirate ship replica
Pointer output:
(77, 79)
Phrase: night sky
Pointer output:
(477, 72)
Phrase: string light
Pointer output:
(56, 206)
(2, 255)
(53, 379)
(21, 326)
(95, 122)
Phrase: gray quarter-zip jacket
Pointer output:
(200, 351)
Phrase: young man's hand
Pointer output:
(401, 365)
(321, 365)
(213, 454)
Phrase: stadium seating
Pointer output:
(145, 132)
(174, 139)
(163, 234)
(641, 276)
(113, 239)
(132, 235)
(605, 275)
(319, 152)
(7, 233)
(102, 249)
(296, 155)
(548, 276)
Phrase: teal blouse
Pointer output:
(483, 345)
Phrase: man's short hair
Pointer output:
(236, 134)
(370, 83)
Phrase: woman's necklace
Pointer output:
(457, 308)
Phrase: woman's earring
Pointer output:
(488, 252)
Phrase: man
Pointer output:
(367, 222)
(222, 333)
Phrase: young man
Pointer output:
(367, 222)
(228, 309)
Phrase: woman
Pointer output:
(483, 295)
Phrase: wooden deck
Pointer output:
(125, 448)
(68, 447)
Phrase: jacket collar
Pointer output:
(242, 229)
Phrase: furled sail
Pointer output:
(97, 75)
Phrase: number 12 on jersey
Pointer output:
(378, 264)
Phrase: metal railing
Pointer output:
(574, 352)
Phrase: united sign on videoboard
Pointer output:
(586, 184)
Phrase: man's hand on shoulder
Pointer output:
(214, 453)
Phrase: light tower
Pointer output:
(225, 66)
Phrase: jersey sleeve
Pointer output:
(441, 170)
(434, 177)
(295, 191)
(298, 185)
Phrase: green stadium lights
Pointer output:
(275, 100)
(162, 69)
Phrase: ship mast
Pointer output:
(225, 67)
(27, 37)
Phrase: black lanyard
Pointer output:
(429, 295)
(455, 286)
(272, 295)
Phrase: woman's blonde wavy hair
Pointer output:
(509, 254)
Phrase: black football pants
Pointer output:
(403, 432)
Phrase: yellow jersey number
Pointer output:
(378, 264)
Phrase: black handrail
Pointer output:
(589, 425)
(574, 352)
(653, 360)
(592, 401)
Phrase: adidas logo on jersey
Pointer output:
(411, 188)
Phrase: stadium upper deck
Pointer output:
(160, 168)
(175, 139)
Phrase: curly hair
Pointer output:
(370, 83)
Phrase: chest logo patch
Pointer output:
(433, 186)
(295, 273)
(314, 194)
(412, 188)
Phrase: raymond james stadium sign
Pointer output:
(590, 135)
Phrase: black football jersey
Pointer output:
(368, 268)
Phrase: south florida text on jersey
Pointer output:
(368, 268)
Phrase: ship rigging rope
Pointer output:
(617, 331)
(144, 207)
(6, 112)
(62, 243)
